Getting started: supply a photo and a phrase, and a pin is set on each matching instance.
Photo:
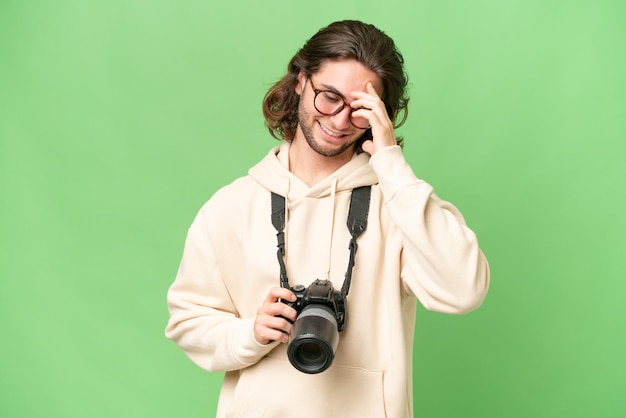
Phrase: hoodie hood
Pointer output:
(272, 172)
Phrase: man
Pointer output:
(336, 110)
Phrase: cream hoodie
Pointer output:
(415, 247)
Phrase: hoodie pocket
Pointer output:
(274, 388)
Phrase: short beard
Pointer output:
(307, 131)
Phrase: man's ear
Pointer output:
(301, 83)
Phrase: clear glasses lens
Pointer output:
(329, 103)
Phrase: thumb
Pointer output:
(368, 146)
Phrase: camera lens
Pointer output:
(314, 339)
(309, 353)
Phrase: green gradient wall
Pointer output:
(118, 119)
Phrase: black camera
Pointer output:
(315, 334)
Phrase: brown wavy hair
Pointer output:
(347, 39)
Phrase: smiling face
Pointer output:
(332, 136)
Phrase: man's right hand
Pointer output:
(272, 318)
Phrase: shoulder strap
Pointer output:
(278, 212)
(278, 220)
(359, 208)
(357, 223)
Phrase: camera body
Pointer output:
(320, 292)
(315, 333)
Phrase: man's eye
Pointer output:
(332, 98)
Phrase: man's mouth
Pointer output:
(330, 132)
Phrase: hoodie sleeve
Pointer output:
(443, 265)
(204, 322)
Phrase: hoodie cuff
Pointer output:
(393, 171)
(245, 348)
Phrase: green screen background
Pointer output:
(118, 119)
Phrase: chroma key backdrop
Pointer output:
(119, 119)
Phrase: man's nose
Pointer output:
(342, 118)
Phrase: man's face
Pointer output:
(332, 136)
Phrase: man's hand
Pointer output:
(371, 107)
(271, 322)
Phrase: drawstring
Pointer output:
(331, 225)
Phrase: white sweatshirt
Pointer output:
(415, 247)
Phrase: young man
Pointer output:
(336, 110)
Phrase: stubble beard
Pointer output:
(307, 125)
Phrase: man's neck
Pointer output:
(311, 167)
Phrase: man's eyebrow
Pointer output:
(326, 87)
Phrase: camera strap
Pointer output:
(357, 222)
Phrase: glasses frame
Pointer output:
(339, 110)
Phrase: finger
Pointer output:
(373, 110)
(265, 335)
(271, 328)
(277, 323)
(278, 293)
(276, 335)
(371, 90)
(277, 309)
(368, 146)
(280, 309)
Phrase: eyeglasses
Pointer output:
(330, 103)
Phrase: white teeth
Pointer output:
(325, 129)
